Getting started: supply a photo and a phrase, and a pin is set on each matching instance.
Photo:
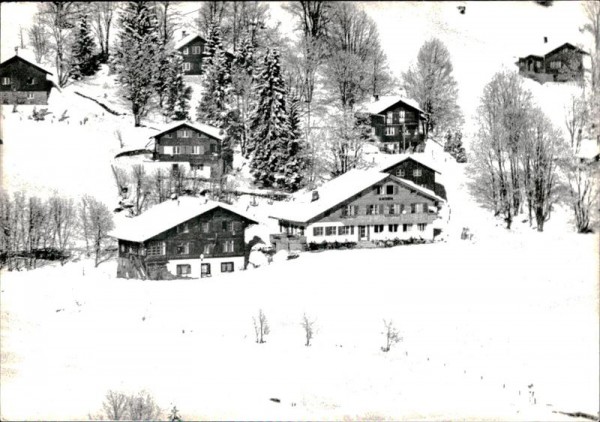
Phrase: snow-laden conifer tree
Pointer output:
(85, 62)
(242, 78)
(276, 159)
(137, 55)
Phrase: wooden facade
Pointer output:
(400, 127)
(186, 143)
(564, 63)
(205, 245)
(387, 210)
(192, 51)
(22, 82)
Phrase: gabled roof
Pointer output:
(188, 39)
(384, 103)
(338, 190)
(200, 127)
(166, 215)
(396, 159)
(579, 50)
(17, 57)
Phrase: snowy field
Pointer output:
(480, 320)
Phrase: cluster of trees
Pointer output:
(119, 406)
(521, 161)
(72, 35)
(34, 230)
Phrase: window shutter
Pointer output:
(413, 208)
(381, 209)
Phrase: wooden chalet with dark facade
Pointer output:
(359, 206)
(183, 237)
(398, 123)
(564, 63)
(416, 168)
(192, 49)
(195, 146)
(22, 82)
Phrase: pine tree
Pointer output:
(85, 62)
(270, 127)
(242, 78)
(137, 55)
(174, 94)
(296, 162)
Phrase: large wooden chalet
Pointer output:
(23, 82)
(398, 123)
(564, 63)
(359, 206)
(182, 237)
(195, 146)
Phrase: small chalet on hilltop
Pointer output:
(194, 146)
(564, 63)
(418, 169)
(23, 82)
(398, 123)
(359, 206)
(192, 48)
(183, 237)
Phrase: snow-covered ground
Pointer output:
(481, 321)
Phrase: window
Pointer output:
(390, 190)
(420, 128)
(175, 168)
(393, 228)
(185, 133)
(226, 267)
(187, 66)
(183, 228)
(374, 209)
(400, 172)
(406, 227)
(199, 167)
(419, 208)
(395, 209)
(378, 190)
(206, 227)
(330, 231)
(204, 270)
(30, 81)
(378, 228)
(317, 231)
(186, 51)
(167, 135)
(236, 226)
(122, 247)
(345, 230)
(417, 173)
(402, 115)
(390, 131)
(208, 249)
(388, 118)
(349, 211)
(5, 80)
(225, 226)
(183, 248)
(421, 227)
(184, 269)
(213, 148)
(177, 149)
(196, 149)
(30, 95)
(196, 49)
(156, 248)
(555, 65)
(228, 246)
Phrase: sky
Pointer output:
(488, 36)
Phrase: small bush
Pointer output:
(308, 327)
(63, 116)
(392, 336)
(261, 327)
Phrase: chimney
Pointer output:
(16, 50)
(315, 196)
(183, 34)
(545, 40)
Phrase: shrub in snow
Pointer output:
(174, 416)
(308, 327)
(39, 115)
(257, 259)
(392, 336)
(261, 327)
(314, 246)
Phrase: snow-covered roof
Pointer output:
(541, 49)
(383, 103)
(167, 215)
(338, 190)
(215, 132)
(186, 40)
(395, 159)
(27, 57)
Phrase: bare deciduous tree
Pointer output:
(309, 329)
(261, 327)
(392, 336)
(96, 220)
(118, 406)
(62, 221)
(38, 39)
(102, 13)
